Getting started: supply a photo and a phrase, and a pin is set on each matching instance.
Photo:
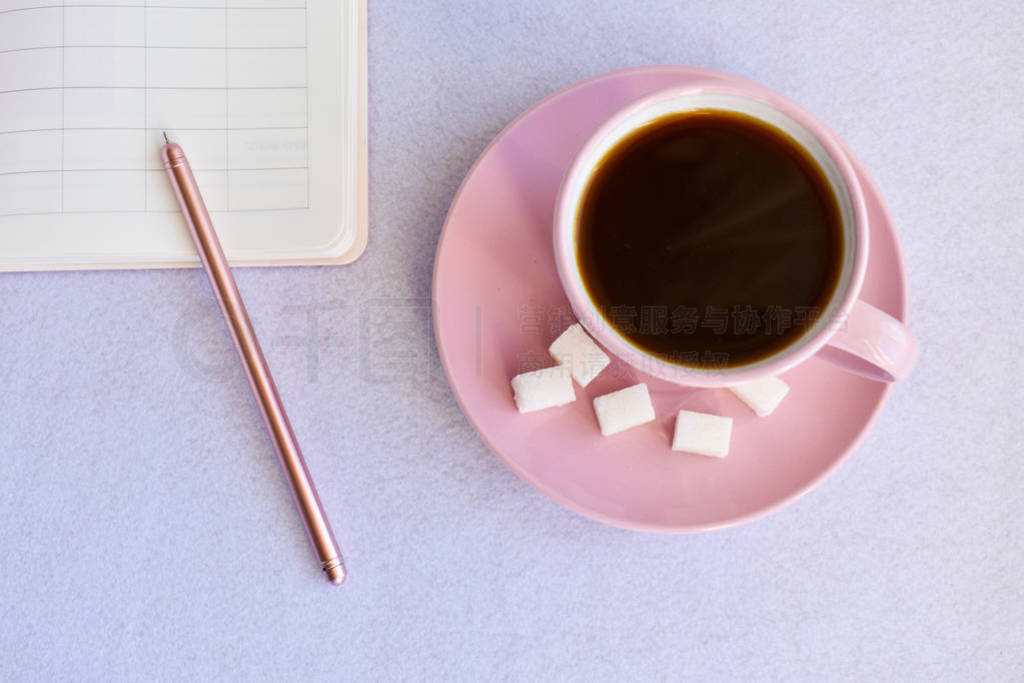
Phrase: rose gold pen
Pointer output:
(223, 283)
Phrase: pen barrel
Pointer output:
(218, 271)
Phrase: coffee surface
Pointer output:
(709, 239)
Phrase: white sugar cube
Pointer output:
(543, 389)
(762, 395)
(623, 409)
(702, 433)
(577, 351)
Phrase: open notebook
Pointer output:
(267, 98)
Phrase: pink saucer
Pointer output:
(498, 305)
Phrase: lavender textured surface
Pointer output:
(148, 534)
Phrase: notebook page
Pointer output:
(259, 93)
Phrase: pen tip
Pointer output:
(336, 572)
(166, 140)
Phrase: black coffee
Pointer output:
(709, 239)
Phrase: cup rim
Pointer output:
(787, 357)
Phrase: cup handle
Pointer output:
(873, 344)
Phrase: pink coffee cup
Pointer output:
(848, 332)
